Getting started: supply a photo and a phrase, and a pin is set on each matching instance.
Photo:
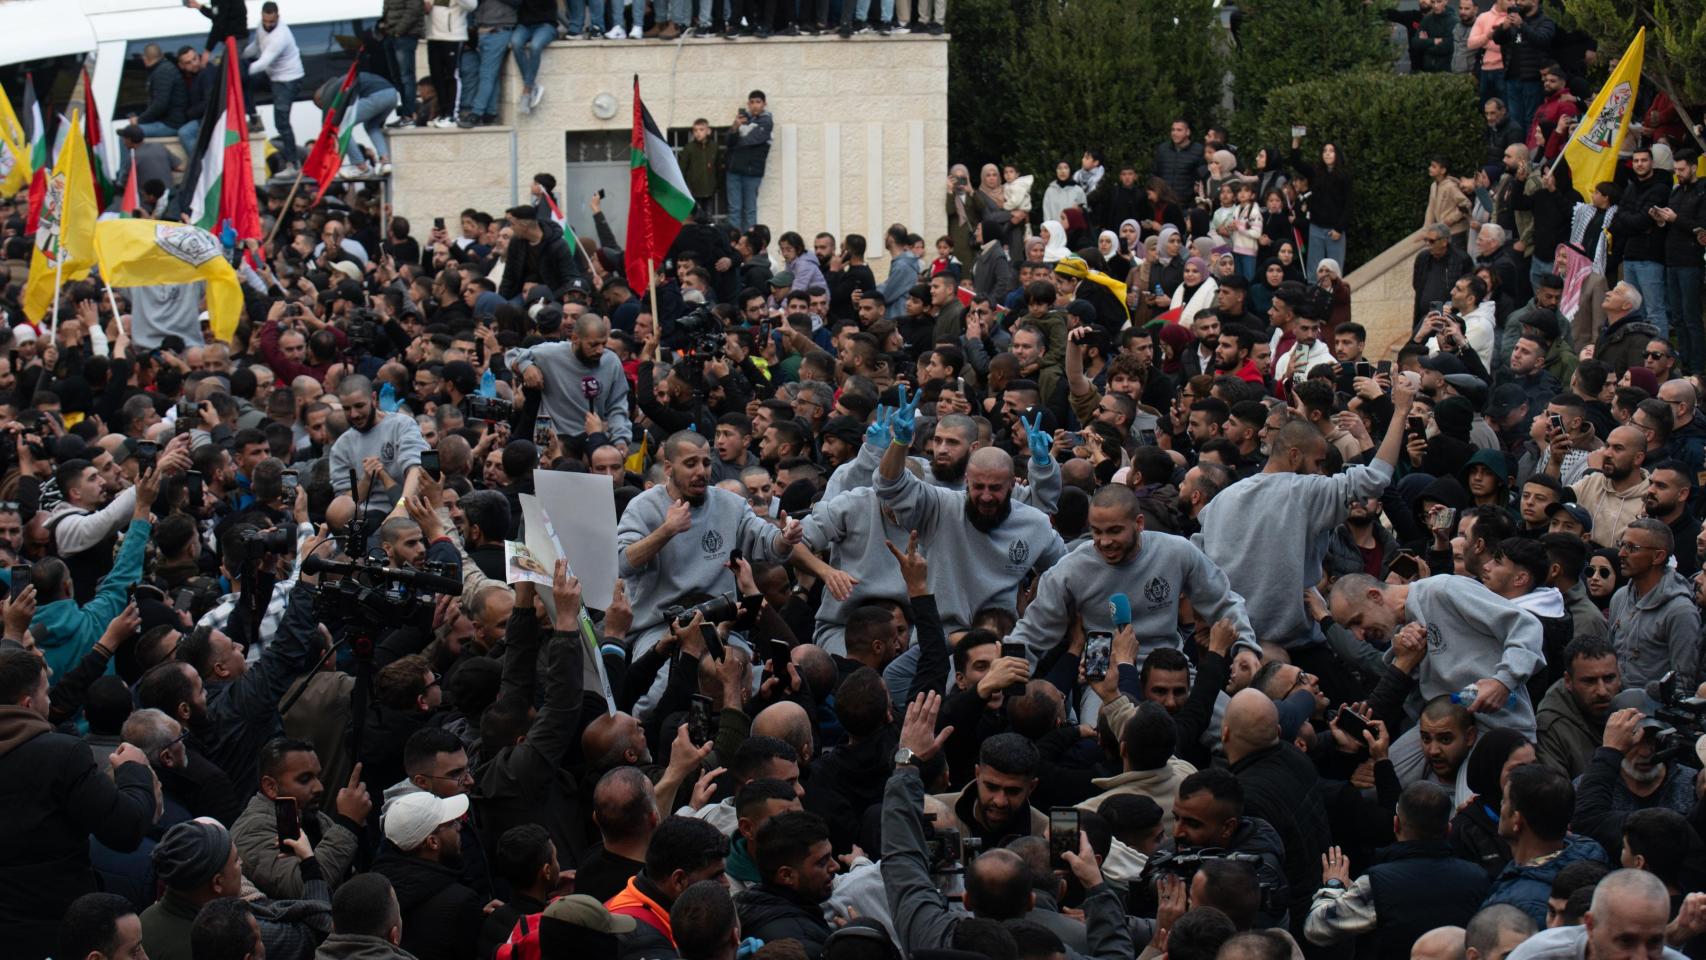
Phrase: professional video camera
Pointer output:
(364, 333)
(1184, 863)
(702, 332)
(372, 596)
(489, 409)
(947, 849)
(1685, 716)
(257, 543)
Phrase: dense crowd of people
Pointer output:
(1088, 591)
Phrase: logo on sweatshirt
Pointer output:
(712, 542)
(1018, 553)
(1436, 639)
(591, 387)
(388, 452)
(1156, 591)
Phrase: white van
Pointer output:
(52, 37)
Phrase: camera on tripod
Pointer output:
(1684, 719)
(253, 544)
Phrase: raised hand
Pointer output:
(878, 432)
(914, 569)
(1037, 438)
(918, 732)
(903, 421)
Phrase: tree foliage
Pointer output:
(1035, 81)
(1386, 128)
(1282, 42)
(1676, 36)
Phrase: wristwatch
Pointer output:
(1334, 883)
(905, 757)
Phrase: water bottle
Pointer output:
(1467, 696)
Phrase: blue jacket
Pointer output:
(65, 632)
(1527, 888)
(903, 276)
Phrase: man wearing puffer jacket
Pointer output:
(1655, 626)
(798, 866)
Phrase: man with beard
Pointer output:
(674, 539)
(423, 860)
(1626, 774)
(1655, 625)
(1232, 355)
(1446, 731)
(1205, 326)
(384, 449)
(1155, 570)
(1570, 722)
(1473, 637)
(1667, 501)
(1614, 489)
(951, 447)
(578, 377)
(1361, 545)
(230, 706)
(995, 543)
(1295, 507)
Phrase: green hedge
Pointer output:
(1282, 42)
(1035, 81)
(1387, 127)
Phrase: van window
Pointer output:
(327, 49)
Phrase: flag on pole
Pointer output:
(562, 221)
(92, 140)
(36, 133)
(1592, 150)
(225, 182)
(153, 253)
(332, 144)
(659, 201)
(14, 151)
(66, 229)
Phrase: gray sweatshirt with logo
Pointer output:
(1474, 634)
(855, 531)
(970, 569)
(692, 562)
(395, 438)
(1042, 491)
(1163, 569)
(572, 388)
(1270, 533)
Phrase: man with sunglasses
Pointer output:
(1655, 626)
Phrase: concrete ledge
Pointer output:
(1381, 297)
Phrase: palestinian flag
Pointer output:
(224, 182)
(40, 163)
(92, 140)
(331, 145)
(659, 201)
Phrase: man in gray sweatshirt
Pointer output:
(579, 377)
(1474, 638)
(856, 529)
(1153, 570)
(1270, 533)
(993, 542)
(383, 448)
(951, 447)
(675, 538)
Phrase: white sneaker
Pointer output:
(537, 95)
(351, 170)
(615, 33)
(443, 122)
(635, 33)
(524, 102)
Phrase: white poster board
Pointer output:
(582, 511)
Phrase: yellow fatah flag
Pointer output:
(1592, 150)
(154, 253)
(14, 152)
(65, 237)
(636, 462)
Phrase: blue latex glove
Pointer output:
(902, 421)
(488, 385)
(388, 399)
(228, 235)
(878, 432)
(1040, 442)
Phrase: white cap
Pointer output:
(24, 333)
(410, 819)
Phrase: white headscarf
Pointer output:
(1112, 239)
(1056, 241)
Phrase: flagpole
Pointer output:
(284, 213)
(652, 274)
(59, 272)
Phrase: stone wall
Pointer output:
(860, 141)
(1382, 299)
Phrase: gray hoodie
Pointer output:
(572, 387)
(395, 438)
(1163, 569)
(1474, 634)
(1657, 633)
(856, 531)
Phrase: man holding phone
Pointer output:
(290, 795)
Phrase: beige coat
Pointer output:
(1160, 785)
(1447, 205)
